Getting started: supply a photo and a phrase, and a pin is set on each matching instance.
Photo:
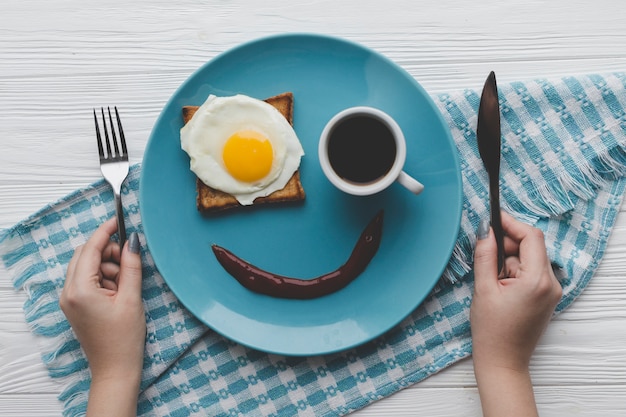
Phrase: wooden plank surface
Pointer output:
(58, 59)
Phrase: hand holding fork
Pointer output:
(113, 163)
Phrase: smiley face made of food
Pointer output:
(244, 152)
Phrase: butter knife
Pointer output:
(488, 135)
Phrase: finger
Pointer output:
(110, 270)
(129, 281)
(532, 246)
(88, 266)
(112, 252)
(514, 229)
(512, 266)
(485, 262)
(511, 247)
(109, 284)
(101, 237)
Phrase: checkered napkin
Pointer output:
(563, 166)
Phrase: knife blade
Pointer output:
(489, 146)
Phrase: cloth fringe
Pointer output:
(547, 200)
(44, 318)
(539, 199)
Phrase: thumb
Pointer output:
(485, 258)
(129, 281)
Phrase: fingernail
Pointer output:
(133, 243)
(483, 229)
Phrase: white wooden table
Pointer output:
(60, 58)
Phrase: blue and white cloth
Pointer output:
(563, 166)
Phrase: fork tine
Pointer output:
(114, 166)
(98, 137)
(121, 132)
(113, 136)
(106, 133)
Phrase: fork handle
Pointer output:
(121, 228)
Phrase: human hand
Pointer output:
(102, 301)
(508, 315)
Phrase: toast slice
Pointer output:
(209, 200)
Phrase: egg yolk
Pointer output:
(248, 155)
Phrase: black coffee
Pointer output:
(361, 149)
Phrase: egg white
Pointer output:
(204, 136)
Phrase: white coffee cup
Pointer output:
(362, 151)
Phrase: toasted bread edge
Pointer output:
(209, 200)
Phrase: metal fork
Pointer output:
(113, 163)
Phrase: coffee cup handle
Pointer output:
(410, 183)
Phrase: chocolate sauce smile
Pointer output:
(263, 282)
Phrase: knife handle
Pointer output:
(496, 219)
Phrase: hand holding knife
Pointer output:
(488, 135)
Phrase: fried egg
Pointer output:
(242, 146)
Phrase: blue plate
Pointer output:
(305, 240)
